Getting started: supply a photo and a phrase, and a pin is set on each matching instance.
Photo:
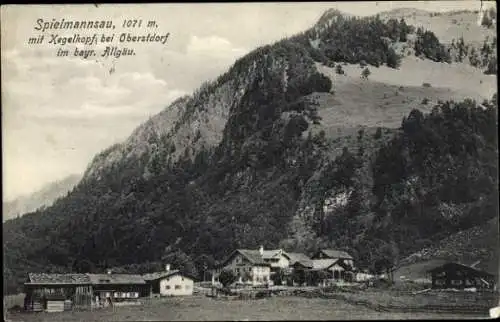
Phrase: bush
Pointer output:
(365, 73)
(425, 101)
(427, 44)
(339, 70)
(426, 85)
(227, 277)
(320, 83)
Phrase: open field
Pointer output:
(203, 308)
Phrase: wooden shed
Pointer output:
(456, 275)
(51, 292)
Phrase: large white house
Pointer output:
(248, 265)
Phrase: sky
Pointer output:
(58, 112)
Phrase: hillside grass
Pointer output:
(447, 25)
(477, 245)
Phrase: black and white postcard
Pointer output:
(250, 161)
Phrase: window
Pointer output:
(167, 287)
(178, 287)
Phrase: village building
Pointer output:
(460, 276)
(169, 283)
(299, 258)
(57, 292)
(259, 266)
(334, 254)
(109, 288)
(322, 271)
(248, 265)
(276, 258)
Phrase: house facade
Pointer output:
(109, 288)
(247, 265)
(170, 283)
(276, 258)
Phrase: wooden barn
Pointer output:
(57, 292)
(109, 288)
(456, 275)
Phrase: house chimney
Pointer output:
(261, 250)
(167, 267)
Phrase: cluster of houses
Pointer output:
(62, 292)
(276, 266)
(255, 267)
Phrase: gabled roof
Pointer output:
(300, 258)
(253, 256)
(114, 279)
(333, 253)
(43, 279)
(454, 265)
(272, 253)
(158, 275)
(320, 264)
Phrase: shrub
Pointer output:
(339, 70)
(227, 277)
(427, 44)
(425, 101)
(426, 85)
(365, 73)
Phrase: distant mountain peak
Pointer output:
(41, 198)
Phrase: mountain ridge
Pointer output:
(43, 197)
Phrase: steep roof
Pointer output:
(333, 253)
(320, 264)
(454, 265)
(300, 258)
(271, 253)
(157, 275)
(43, 278)
(252, 255)
(116, 279)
